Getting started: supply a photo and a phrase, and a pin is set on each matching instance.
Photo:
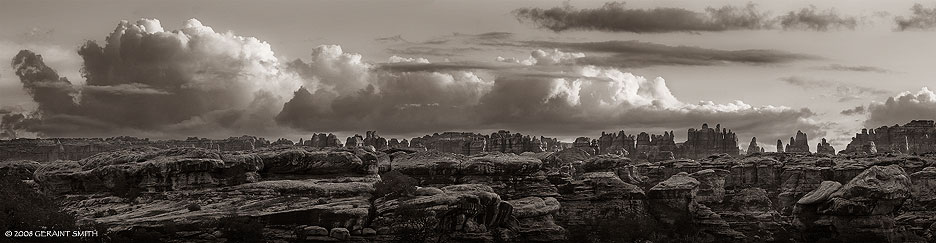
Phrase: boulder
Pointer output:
(877, 190)
(821, 194)
(340, 233)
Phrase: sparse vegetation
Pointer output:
(394, 184)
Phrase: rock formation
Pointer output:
(322, 140)
(799, 144)
(282, 142)
(473, 143)
(320, 191)
(779, 146)
(915, 137)
(753, 148)
(394, 143)
(354, 141)
(617, 143)
(707, 141)
(824, 148)
(372, 139)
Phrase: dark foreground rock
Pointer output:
(316, 194)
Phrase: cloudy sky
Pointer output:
(170, 69)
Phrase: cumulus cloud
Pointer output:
(858, 110)
(902, 108)
(564, 99)
(371, 96)
(922, 18)
(146, 78)
(842, 92)
(812, 19)
(615, 16)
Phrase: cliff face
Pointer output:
(915, 137)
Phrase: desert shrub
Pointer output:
(193, 207)
(416, 225)
(394, 184)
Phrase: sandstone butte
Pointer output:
(511, 190)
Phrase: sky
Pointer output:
(172, 69)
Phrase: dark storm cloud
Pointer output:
(812, 19)
(922, 18)
(616, 17)
(839, 67)
(642, 54)
(10, 123)
(432, 51)
(54, 94)
(902, 108)
(841, 91)
(391, 39)
(858, 110)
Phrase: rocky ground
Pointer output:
(305, 194)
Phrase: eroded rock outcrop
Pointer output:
(513, 176)
(464, 212)
(861, 210)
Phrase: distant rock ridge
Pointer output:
(699, 144)
(915, 137)
(474, 143)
